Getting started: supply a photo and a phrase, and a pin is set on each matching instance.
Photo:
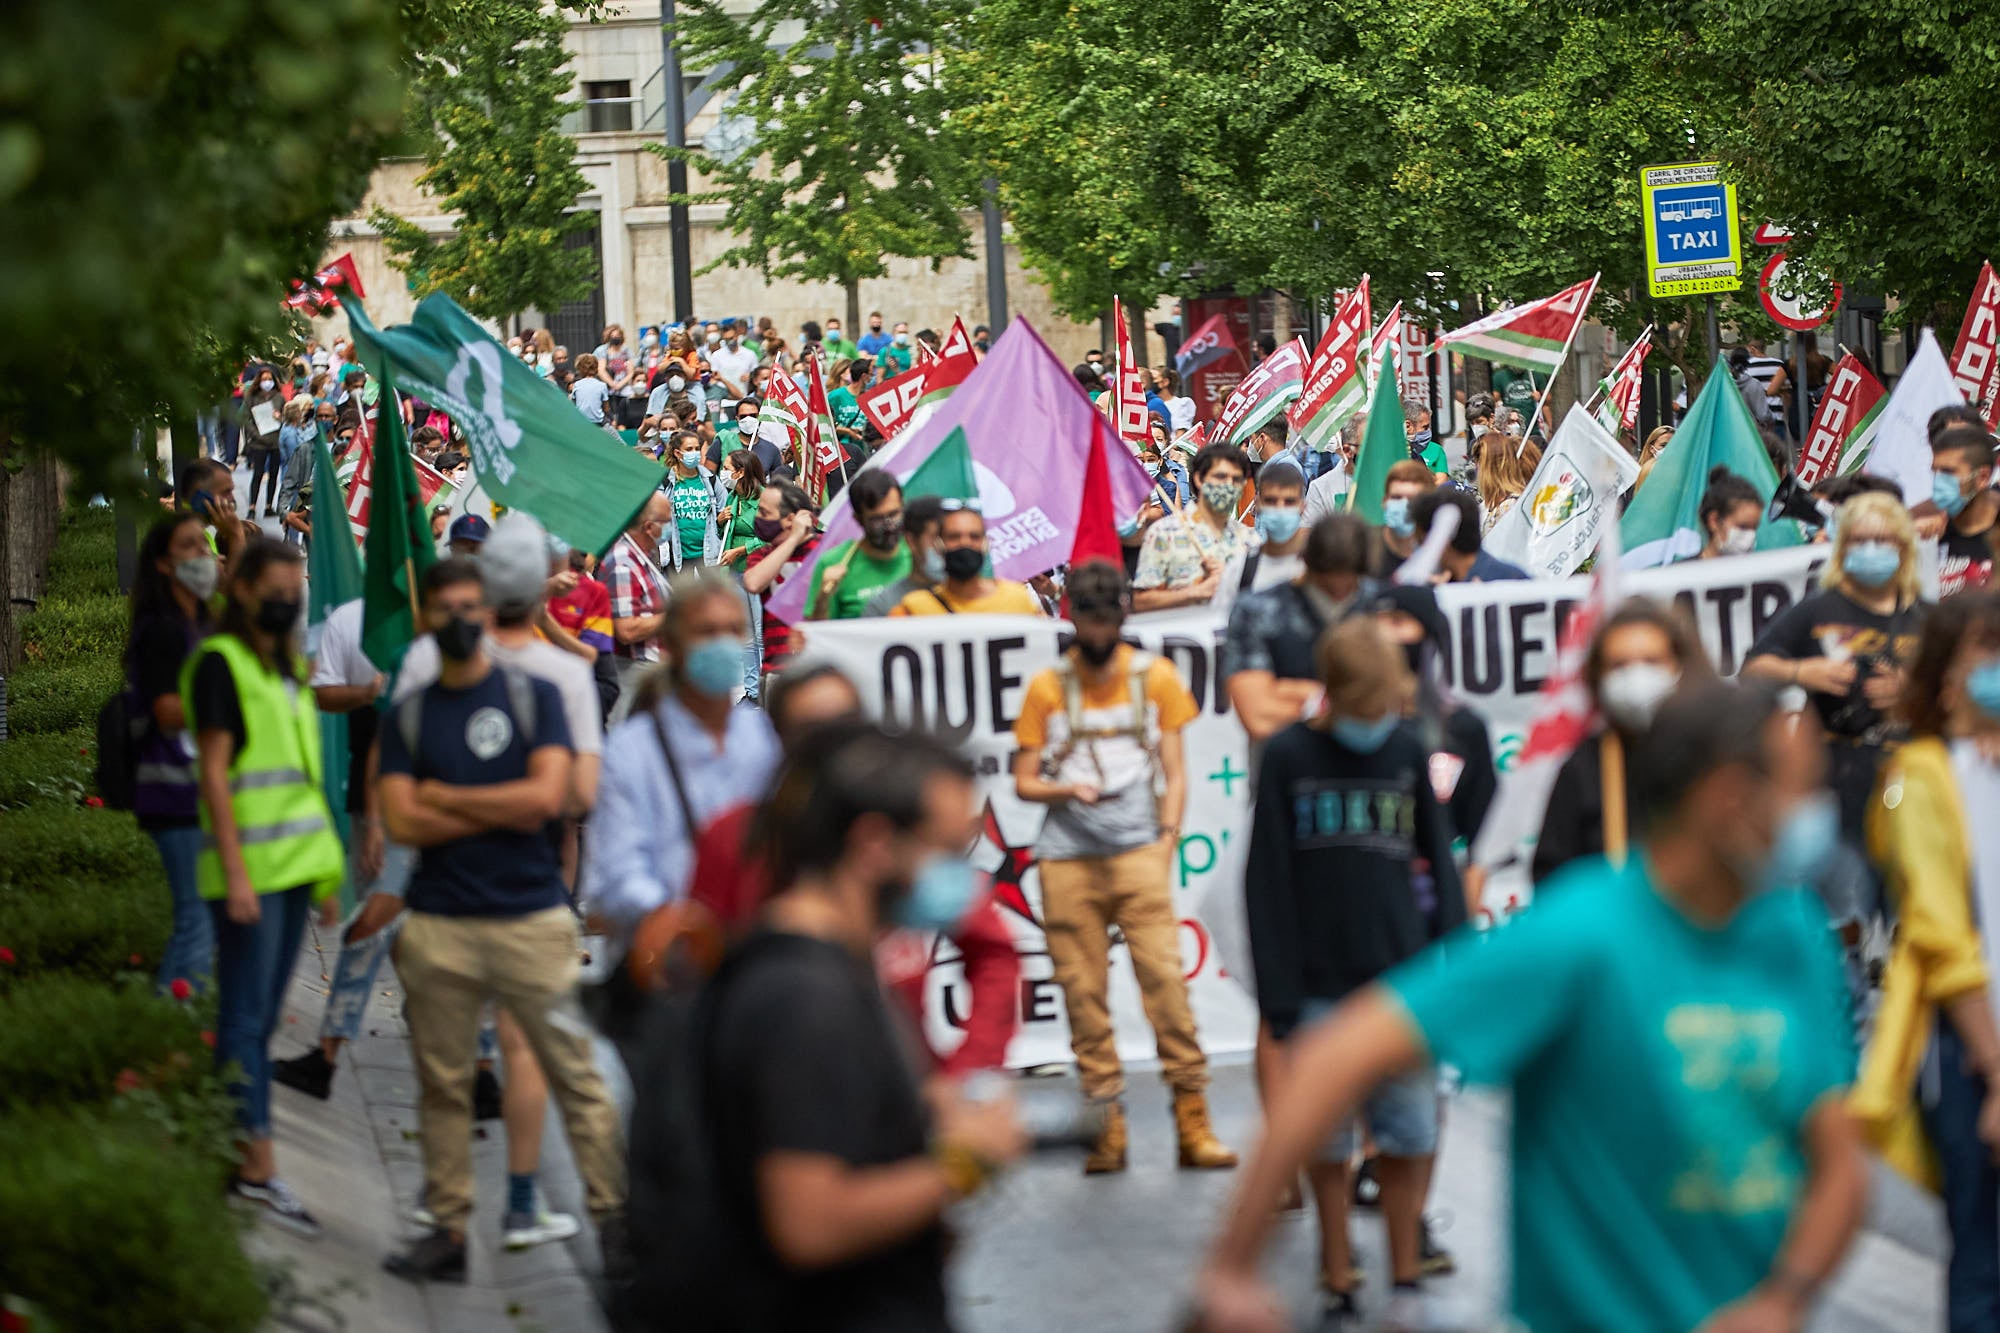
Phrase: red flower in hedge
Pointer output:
(6, 956)
(94, 802)
(129, 1080)
(208, 1039)
(13, 1323)
(180, 989)
(133, 960)
(83, 749)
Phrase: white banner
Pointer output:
(964, 677)
(1554, 526)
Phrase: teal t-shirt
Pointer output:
(1662, 1074)
(694, 510)
(1517, 389)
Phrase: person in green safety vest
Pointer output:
(270, 848)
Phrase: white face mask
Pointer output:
(1738, 541)
(715, 340)
(1632, 694)
(267, 384)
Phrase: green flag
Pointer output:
(531, 449)
(947, 473)
(333, 577)
(1664, 522)
(399, 539)
(1383, 445)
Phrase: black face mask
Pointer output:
(767, 529)
(1096, 654)
(458, 639)
(276, 616)
(883, 531)
(964, 562)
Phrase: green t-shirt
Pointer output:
(1433, 455)
(839, 349)
(865, 573)
(694, 510)
(740, 530)
(1662, 1073)
(846, 408)
(895, 360)
(1517, 389)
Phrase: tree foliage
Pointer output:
(164, 171)
(487, 97)
(854, 159)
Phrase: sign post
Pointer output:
(1694, 246)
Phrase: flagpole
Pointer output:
(1567, 344)
(1598, 392)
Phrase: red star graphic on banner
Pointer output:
(1015, 862)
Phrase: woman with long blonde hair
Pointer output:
(1505, 464)
(1849, 644)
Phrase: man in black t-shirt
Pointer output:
(1962, 486)
(823, 1174)
(473, 771)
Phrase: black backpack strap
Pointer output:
(938, 597)
(1250, 563)
(674, 772)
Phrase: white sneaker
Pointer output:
(423, 1217)
(521, 1230)
(278, 1203)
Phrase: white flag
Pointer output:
(1556, 523)
(1902, 448)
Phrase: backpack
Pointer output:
(697, 1272)
(116, 773)
(1135, 726)
(520, 701)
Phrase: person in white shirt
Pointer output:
(1328, 493)
(732, 362)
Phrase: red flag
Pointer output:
(1096, 521)
(1975, 360)
(1852, 398)
(1128, 392)
(361, 486)
(1205, 346)
(950, 365)
(823, 452)
(1334, 390)
(322, 291)
(890, 403)
(924, 355)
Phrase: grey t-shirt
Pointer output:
(1119, 822)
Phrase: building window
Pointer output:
(607, 106)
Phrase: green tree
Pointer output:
(854, 159)
(487, 101)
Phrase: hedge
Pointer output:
(45, 842)
(116, 1136)
(84, 928)
(50, 767)
(105, 1224)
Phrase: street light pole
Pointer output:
(996, 258)
(677, 172)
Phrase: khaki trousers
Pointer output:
(1081, 900)
(450, 966)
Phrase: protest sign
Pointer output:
(1554, 526)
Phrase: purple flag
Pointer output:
(1029, 425)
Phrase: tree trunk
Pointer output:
(1137, 322)
(1107, 333)
(10, 645)
(853, 326)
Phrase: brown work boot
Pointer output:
(1109, 1154)
(1200, 1148)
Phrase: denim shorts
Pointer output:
(1402, 1114)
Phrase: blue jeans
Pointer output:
(1971, 1187)
(253, 969)
(357, 966)
(753, 656)
(1402, 1113)
(191, 947)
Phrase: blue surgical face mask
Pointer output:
(1871, 564)
(1278, 525)
(714, 666)
(940, 895)
(691, 458)
(1365, 737)
(934, 565)
(1946, 493)
(1396, 516)
(1805, 843)
(1982, 686)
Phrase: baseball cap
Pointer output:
(469, 528)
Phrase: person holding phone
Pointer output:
(209, 491)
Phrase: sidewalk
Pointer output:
(354, 1160)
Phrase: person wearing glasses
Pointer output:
(967, 588)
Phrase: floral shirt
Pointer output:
(1176, 547)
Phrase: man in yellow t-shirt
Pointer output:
(967, 589)
(1091, 753)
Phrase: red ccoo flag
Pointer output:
(323, 289)
(1205, 346)
(1128, 390)
(1975, 358)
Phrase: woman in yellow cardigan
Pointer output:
(1943, 873)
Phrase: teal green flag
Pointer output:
(1663, 523)
(333, 576)
(399, 545)
(947, 473)
(1384, 444)
(531, 449)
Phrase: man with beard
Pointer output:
(849, 574)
